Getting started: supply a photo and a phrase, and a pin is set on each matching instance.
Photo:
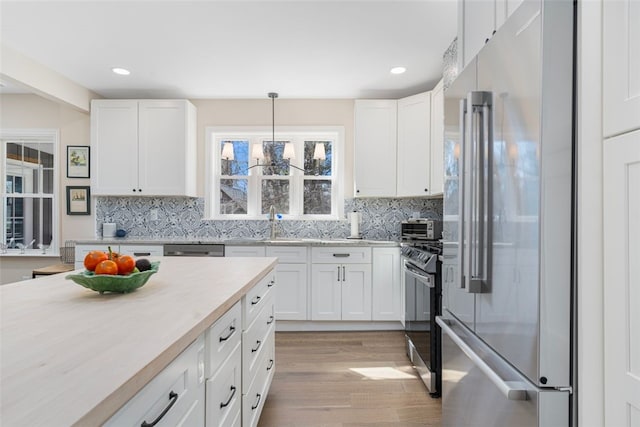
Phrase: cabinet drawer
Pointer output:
(244, 251)
(254, 342)
(253, 301)
(142, 250)
(224, 393)
(179, 387)
(222, 337)
(255, 396)
(341, 255)
(288, 254)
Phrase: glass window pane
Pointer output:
(233, 196)
(275, 192)
(240, 163)
(317, 197)
(317, 158)
(273, 156)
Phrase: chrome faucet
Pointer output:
(272, 220)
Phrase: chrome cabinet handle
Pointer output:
(173, 398)
(512, 390)
(233, 393)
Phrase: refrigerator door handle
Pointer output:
(461, 194)
(479, 163)
(512, 390)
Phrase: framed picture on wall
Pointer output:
(78, 200)
(78, 161)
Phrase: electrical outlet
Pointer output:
(153, 215)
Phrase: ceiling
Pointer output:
(236, 49)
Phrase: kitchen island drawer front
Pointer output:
(341, 255)
(142, 250)
(255, 298)
(254, 397)
(254, 342)
(288, 254)
(222, 337)
(175, 395)
(224, 393)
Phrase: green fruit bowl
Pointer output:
(117, 284)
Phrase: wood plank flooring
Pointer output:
(346, 379)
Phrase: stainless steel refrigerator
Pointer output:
(507, 252)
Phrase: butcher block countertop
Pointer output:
(70, 356)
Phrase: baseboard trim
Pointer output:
(303, 326)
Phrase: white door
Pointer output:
(291, 292)
(622, 280)
(414, 145)
(326, 295)
(387, 298)
(356, 291)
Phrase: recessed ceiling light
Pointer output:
(121, 71)
(398, 70)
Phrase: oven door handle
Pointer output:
(417, 274)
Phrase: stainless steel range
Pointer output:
(423, 302)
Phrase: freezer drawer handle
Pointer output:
(512, 390)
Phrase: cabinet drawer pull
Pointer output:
(232, 330)
(271, 283)
(344, 277)
(338, 273)
(142, 253)
(256, 300)
(341, 255)
(173, 398)
(253, 350)
(233, 393)
(270, 365)
(271, 319)
(259, 396)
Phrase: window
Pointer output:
(299, 173)
(29, 194)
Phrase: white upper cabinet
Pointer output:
(437, 140)
(621, 66)
(375, 147)
(478, 20)
(143, 147)
(414, 147)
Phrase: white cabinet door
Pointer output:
(167, 145)
(437, 140)
(621, 233)
(114, 147)
(621, 66)
(386, 284)
(326, 292)
(375, 148)
(356, 292)
(478, 24)
(414, 145)
(291, 292)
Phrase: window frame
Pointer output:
(258, 134)
(47, 136)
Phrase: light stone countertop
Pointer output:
(70, 356)
(242, 241)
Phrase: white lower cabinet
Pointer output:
(224, 392)
(292, 289)
(175, 397)
(386, 287)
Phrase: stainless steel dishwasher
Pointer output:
(194, 249)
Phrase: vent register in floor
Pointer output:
(181, 217)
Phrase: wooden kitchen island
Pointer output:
(70, 356)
